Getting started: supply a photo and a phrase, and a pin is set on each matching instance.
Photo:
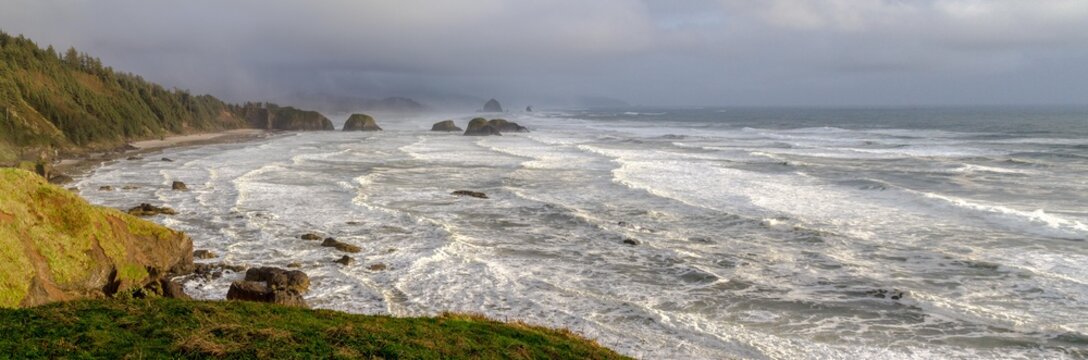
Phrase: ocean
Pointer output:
(766, 233)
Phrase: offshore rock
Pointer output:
(361, 122)
(447, 125)
(492, 106)
(480, 127)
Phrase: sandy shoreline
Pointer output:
(75, 167)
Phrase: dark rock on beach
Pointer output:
(376, 267)
(475, 194)
(447, 125)
(167, 160)
(178, 185)
(361, 122)
(146, 209)
(345, 260)
(630, 241)
(310, 236)
(105, 188)
(342, 246)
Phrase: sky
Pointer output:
(644, 52)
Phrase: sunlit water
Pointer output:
(763, 233)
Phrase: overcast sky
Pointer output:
(725, 52)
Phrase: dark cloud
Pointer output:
(699, 52)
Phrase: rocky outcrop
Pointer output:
(447, 125)
(271, 285)
(361, 122)
(480, 127)
(475, 194)
(146, 209)
(204, 254)
(492, 106)
(506, 126)
(54, 246)
(178, 185)
(273, 117)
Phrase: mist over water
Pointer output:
(763, 233)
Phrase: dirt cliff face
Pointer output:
(54, 246)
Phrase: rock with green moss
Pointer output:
(361, 122)
(447, 125)
(480, 127)
(54, 246)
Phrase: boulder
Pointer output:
(345, 260)
(342, 246)
(280, 279)
(57, 247)
(310, 236)
(271, 285)
(146, 209)
(630, 241)
(178, 185)
(105, 188)
(447, 125)
(506, 126)
(492, 106)
(260, 292)
(167, 160)
(480, 127)
(361, 122)
(475, 194)
(376, 267)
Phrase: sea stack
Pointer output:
(506, 126)
(481, 127)
(492, 106)
(447, 125)
(361, 122)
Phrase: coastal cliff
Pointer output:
(54, 246)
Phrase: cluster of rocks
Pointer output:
(146, 209)
(271, 285)
(893, 294)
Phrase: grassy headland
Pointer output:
(170, 328)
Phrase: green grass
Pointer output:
(170, 328)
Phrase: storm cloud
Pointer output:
(727, 52)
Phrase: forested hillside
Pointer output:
(69, 102)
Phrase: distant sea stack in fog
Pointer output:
(492, 106)
(361, 122)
